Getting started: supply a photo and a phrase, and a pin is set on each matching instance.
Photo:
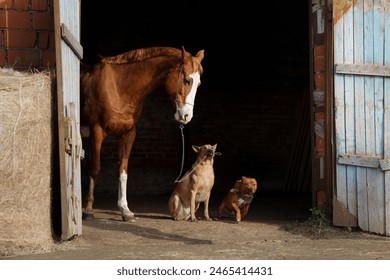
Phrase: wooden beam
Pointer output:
(367, 70)
(385, 164)
(72, 42)
(356, 160)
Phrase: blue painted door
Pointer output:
(68, 55)
(362, 111)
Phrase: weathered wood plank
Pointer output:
(385, 164)
(361, 173)
(341, 170)
(357, 160)
(386, 136)
(68, 78)
(349, 96)
(72, 42)
(376, 193)
(366, 70)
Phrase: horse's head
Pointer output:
(183, 82)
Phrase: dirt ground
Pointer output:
(276, 228)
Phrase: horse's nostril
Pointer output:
(185, 117)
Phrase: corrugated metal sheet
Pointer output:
(362, 111)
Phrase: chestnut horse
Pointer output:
(113, 92)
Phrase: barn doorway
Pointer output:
(254, 99)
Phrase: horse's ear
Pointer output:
(200, 55)
(183, 51)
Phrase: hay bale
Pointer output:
(25, 161)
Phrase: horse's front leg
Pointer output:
(125, 145)
(96, 140)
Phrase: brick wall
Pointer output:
(27, 34)
(319, 85)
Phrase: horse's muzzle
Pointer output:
(182, 117)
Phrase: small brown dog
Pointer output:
(195, 186)
(239, 198)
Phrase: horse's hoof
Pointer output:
(128, 218)
(88, 216)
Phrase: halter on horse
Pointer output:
(113, 92)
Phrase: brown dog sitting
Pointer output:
(239, 198)
(195, 186)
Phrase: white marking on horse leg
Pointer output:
(185, 113)
(122, 198)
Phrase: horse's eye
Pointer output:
(187, 81)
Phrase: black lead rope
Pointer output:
(182, 153)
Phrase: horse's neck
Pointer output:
(153, 72)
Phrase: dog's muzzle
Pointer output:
(211, 153)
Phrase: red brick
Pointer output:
(20, 38)
(319, 80)
(3, 18)
(24, 58)
(321, 198)
(319, 146)
(319, 116)
(39, 5)
(5, 4)
(43, 21)
(14, 19)
(43, 40)
(319, 51)
(21, 5)
(49, 58)
(2, 57)
(319, 65)
(52, 42)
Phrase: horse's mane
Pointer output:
(142, 54)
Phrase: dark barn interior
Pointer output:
(253, 101)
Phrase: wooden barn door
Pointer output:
(362, 114)
(68, 55)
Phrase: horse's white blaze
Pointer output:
(185, 113)
(122, 187)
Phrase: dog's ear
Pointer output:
(215, 147)
(196, 148)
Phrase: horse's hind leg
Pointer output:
(96, 140)
(125, 144)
